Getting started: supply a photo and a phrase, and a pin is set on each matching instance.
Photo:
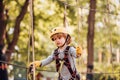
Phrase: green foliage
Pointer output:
(49, 14)
(106, 72)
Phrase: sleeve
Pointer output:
(48, 60)
(72, 51)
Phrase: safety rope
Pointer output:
(78, 21)
(110, 32)
(28, 47)
(65, 22)
(80, 25)
(96, 10)
(32, 34)
(24, 67)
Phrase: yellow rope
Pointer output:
(32, 34)
(28, 53)
(61, 65)
(65, 22)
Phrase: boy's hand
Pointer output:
(78, 51)
(35, 63)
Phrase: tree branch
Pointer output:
(17, 29)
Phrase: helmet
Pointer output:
(58, 30)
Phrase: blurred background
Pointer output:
(93, 24)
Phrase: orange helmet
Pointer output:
(59, 30)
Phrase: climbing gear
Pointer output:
(64, 61)
(59, 30)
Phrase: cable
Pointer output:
(24, 67)
(96, 10)
(110, 32)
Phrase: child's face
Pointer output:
(59, 39)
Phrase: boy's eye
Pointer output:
(53, 39)
(59, 37)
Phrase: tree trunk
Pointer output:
(19, 18)
(90, 39)
(2, 23)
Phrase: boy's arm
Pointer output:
(44, 62)
(40, 63)
(48, 60)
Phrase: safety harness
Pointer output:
(66, 61)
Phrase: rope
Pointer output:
(28, 47)
(29, 36)
(110, 32)
(32, 33)
(79, 20)
(24, 67)
(96, 10)
(65, 22)
(80, 24)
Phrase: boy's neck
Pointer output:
(62, 48)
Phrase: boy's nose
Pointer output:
(57, 39)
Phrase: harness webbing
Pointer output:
(66, 61)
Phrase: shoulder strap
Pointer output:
(66, 50)
(56, 52)
(67, 62)
(56, 59)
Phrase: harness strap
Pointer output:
(57, 59)
(66, 61)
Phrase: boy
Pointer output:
(64, 55)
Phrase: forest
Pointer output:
(94, 24)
